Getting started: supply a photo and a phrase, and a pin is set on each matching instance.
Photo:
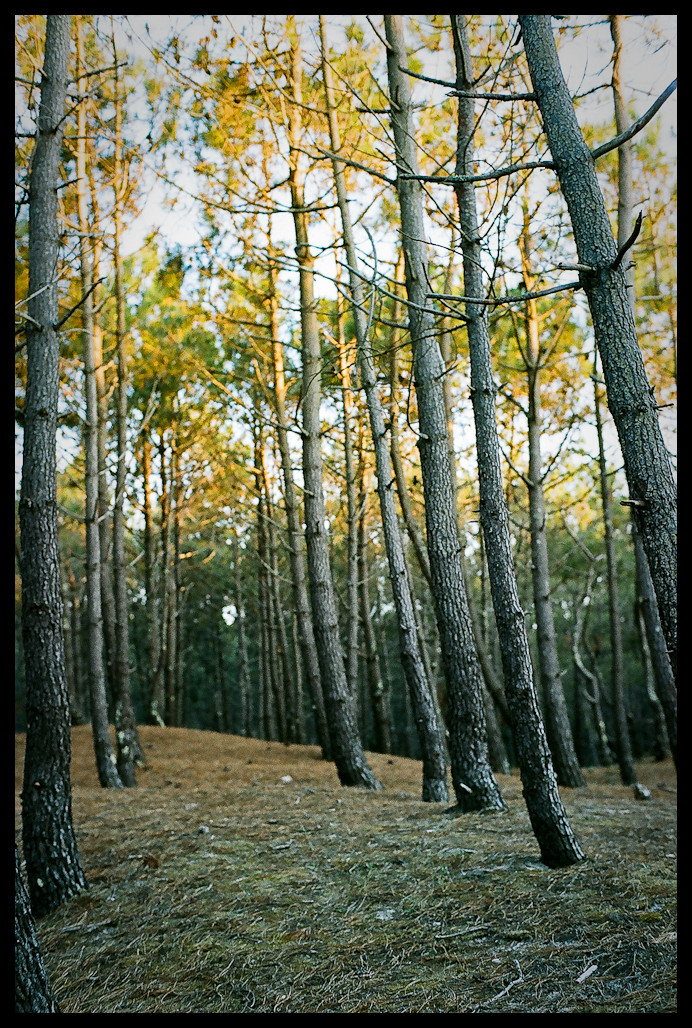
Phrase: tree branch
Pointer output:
(355, 164)
(638, 124)
(629, 242)
(451, 180)
(466, 94)
(520, 298)
(76, 307)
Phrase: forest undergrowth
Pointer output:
(240, 877)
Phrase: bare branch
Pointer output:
(494, 302)
(451, 180)
(467, 95)
(355, 164)
(76, 307)
(638, 125)
(629, 242)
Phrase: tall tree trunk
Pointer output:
(129, 746)
(663, 675)
(646, 600)
(245, 713)
(661, 743)
(104, 502)
(104, 505)
(173, 595)
(155, 694)
(557, 725)
(283, 680)
(220, 708)
(419, 687)
(352, 520)
(628, 773)
(53, 868)
(347, 750)
(33, 993)
(589, 678)
(73, 666)
(374, 685)
(494, 689)
(272, 721)
(630, 399)
(103, 746)
(474, 784)
(558, 845)
(301, 601)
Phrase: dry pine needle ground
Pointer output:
(239, 876)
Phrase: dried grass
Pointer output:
(240, 877)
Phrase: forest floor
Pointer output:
(240, 877)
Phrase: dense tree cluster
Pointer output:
(375, 456)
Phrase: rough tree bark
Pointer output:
(558, 844)
(473, 780)
(646, 599)
(54, 873)
(630, 399)
(32, 989)
(301, 601)
(419, 687)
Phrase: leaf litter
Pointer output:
(239, 876)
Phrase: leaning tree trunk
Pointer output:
(419, 687)
(558, 845)
(54, 873)
(630, 399)
(474, 784)
(347, 750)
(646, 599)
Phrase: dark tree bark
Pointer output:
(474, 784)
(50, 849)
(646, 600)
(32, 989)
(558, 844)
(630, 399)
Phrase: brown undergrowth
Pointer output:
(240, 877)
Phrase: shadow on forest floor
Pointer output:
(240, 877)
